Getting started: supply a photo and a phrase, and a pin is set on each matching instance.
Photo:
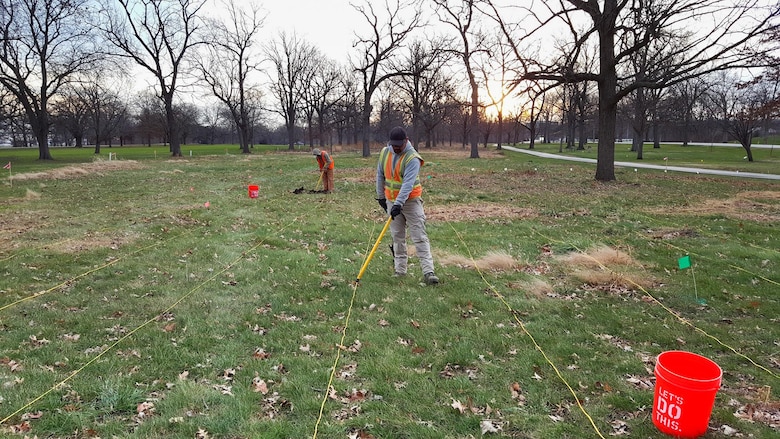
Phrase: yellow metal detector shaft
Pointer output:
(373, 250)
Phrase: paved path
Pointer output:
(648, 166)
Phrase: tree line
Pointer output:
(468, 72)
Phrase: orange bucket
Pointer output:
(254, 191)
(685, 389)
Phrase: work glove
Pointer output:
(395, 211)
(382, 203)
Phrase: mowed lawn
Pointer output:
(151, 297)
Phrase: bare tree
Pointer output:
(378, 50)
(728, 35)
(229, 61)
(495, 69)
(321, 96)
(347, 111)
(686, 97)
(71, 113)
(742, 106)
(530, 112)
(158, 35)
(107, 112)
(460, 14)
(150, 118)
(423, 85)
(295, 63)
(43, 43)
(772, 75)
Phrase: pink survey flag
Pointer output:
(8, 166)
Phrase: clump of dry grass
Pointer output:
(98, 167)
(534, 287)
(606, 268)
(492, 261)
(599, 256)
(32, 195)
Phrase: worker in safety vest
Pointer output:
(325, 163)
(398, 192)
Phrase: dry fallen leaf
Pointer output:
(457, 405)
(260, 354)
(145, 409)
(259, 385)
(490, 426)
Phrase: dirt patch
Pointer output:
(91, 241)
(485, 153)
(301, 190)
(362, 176)
(666, 233)
(471, 212)
(98, 167)
(16, 225)
(759, 206)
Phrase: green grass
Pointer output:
(120, 288)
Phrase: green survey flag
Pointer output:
(684, 262)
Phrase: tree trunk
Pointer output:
(749, 151)
(639, 125)
(571, 125)
(41, 131)
(173, 127)
(605, 161)
(500, 129)
(43, 146)
(474, 116)
(366, 119)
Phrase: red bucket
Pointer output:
(254, 191)
(685, 389)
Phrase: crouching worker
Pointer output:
(325, 162)
(399, 191)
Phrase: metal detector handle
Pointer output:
(373, 250)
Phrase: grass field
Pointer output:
(150, 297)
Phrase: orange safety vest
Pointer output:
(321, 160)
(394, 176)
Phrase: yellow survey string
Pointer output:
(530, 336)
(143, 325)
(679, 317)
(85, 274)
(765, 279)
(346, 326)
(744, 270)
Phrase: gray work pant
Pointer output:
(412, 217)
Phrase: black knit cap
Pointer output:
(397, 136)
